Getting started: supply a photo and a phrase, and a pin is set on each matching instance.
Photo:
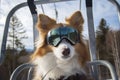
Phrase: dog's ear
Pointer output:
(45, 22)
(76, 20)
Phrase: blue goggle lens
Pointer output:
(55, 36)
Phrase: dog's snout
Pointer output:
(66, 52)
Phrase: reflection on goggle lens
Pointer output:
(56, 35)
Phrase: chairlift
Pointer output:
(93, 64)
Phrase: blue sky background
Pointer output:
(101, 9)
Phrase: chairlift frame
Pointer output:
(92, 42)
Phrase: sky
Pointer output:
(101, 9)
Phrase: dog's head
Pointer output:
(64, 40)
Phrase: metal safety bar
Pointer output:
(19, 69)
(107, 65)
(96, 63)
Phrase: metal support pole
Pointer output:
(33, 11)
(92, 40)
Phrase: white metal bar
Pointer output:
(20, 68)
(107, 65)
(114, 2)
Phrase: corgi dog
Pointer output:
(61, 51)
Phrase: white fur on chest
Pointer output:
(55, 68)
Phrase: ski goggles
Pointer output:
(55, 36)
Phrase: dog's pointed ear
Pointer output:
(76, 20)
(45, 22)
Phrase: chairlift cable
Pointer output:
(42, 9)
(56, 12)
(80, 5)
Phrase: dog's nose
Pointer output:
(66, 52)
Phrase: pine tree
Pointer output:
(103, 51)
(16, 34)
(101, 33)
(108, 46)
